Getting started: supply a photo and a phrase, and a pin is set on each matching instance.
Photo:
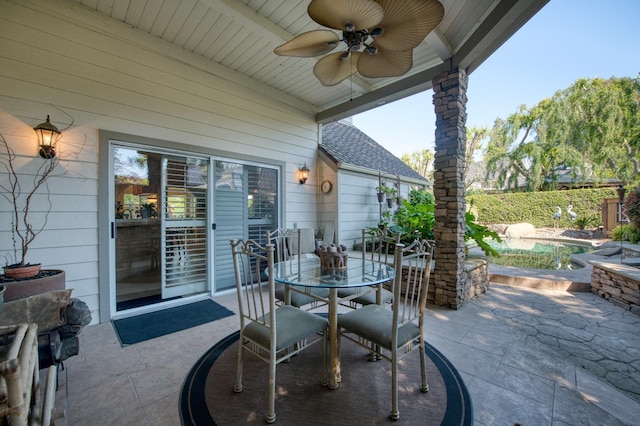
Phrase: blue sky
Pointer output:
(565, 41)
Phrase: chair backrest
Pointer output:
(411, 283)
(379, 245)
(250, 262)
(282, 240)
(328, 234)
(292, 243)
(303, 241)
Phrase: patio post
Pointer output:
(449, 99)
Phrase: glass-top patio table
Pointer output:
(304, 275)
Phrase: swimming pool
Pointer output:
(537, 254)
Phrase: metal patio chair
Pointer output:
(393, 333)
(377, 245)
(292, 245)
(274, 334)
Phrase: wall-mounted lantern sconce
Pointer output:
(303, 174)
(48, 135)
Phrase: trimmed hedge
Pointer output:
(537, 208)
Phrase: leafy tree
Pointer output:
(591, 129)
(421, 162)
(475, 137)
(601, 119)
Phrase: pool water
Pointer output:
(537, 254)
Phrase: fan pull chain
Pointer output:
(351, 79)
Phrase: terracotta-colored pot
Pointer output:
(22, 271)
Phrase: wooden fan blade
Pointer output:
(385, 63)
(332, 69)
(362, 14)
(407, 22)
(312, 43)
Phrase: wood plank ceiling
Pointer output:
(240, 35)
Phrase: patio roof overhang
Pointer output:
(234, 39)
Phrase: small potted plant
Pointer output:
(387, 192)
(148, 210)
(380, 192)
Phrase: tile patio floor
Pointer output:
(534, 357)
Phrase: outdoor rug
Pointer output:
(363, 397)
(155, 324)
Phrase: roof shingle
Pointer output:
(347, 144)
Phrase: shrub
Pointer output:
(537, 208)
(626, 233)
(585, 222)
(415, 219)
(632, 204)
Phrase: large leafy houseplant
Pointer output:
(25, 225)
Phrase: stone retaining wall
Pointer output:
(475, 281)
(619, 284)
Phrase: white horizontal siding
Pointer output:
(106, 76)
(358, 206)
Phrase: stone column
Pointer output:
(449, 99)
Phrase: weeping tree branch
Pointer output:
(22, 227)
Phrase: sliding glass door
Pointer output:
(161, 226)
(246, 206)
(174, 217)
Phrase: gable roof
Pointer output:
(346, 144)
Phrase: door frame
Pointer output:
(115, 314)
(106, 261)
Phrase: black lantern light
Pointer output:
(48, 135)
(303, 174)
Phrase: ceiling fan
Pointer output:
(380, 36)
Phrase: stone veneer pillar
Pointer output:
(449, 99)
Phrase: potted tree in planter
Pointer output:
(26, 226)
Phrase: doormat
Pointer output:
(155, 324)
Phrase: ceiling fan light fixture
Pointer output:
(309, 44)
(334, 68)
(336, 14)
(406, 23)
(397, 27)
(386, 63)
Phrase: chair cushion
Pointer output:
(298, 299)
(367, 297)
(293, 325)
(375, 323)
(370, 297)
